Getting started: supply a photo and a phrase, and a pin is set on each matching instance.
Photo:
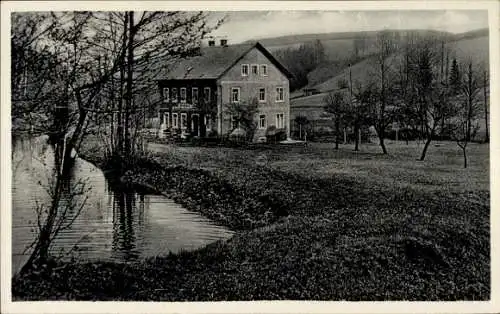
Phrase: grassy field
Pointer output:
(314, 223)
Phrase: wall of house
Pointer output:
(189, 108)
(249, 89)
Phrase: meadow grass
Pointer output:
(314, 223)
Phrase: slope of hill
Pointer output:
(472, 34)
(303, 38)
(476, 48)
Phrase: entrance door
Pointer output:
(195, 124)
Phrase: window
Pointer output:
(262, 121)
(174, 94)
(166, 119)
(194, 92)
(183, 94)
(262, 94)
(255, 69)
(206, 94)
(184, 121)
(280, 121)
(208, 122)
(175, 121)
(166, 94)
(244, 69)
(279, 94)
(234, 122)
(235, 94)
(263, 69)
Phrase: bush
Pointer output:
(274, 135)
(342, 83)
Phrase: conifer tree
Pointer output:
(455, 77)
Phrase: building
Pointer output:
(196, 92)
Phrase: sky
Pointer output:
(245, 25)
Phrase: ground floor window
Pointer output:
(166, 119)
(183, 120)
(175, 121)
(234, 122)
(262, 121)
(280, 120)
(208, 121)
(235, 95)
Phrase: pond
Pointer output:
(114, 225)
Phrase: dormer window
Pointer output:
(244, 70)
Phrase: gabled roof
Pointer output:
(215, 61)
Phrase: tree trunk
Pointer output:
(356, 138)
(465, 156)
(487, 133)
(337, 133)
(426, 146)
(130, 67)
(382, 144)
(120, 127)
(381, 135)
(40, 252)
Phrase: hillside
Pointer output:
(342, 48)
(291, 40)
(478, 48)
(312, 106)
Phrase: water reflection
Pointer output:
(118, 225)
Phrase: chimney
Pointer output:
(223, 42)
(211, 43)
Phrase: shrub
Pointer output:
(342, 83)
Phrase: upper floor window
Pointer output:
(206, 94)
(262, 94)
(263, 69)
(280, 121)
(280, 95)
(262, 121)
(183, 94)
(244, 69)
(255, 69)
(194, 92)
(235, 94)
(166, 94)
(174, 94)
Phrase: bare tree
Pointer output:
(383, 109)
(486, 104)
(431, 93)
(336, 104)
(82, 53)
(464, 123)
